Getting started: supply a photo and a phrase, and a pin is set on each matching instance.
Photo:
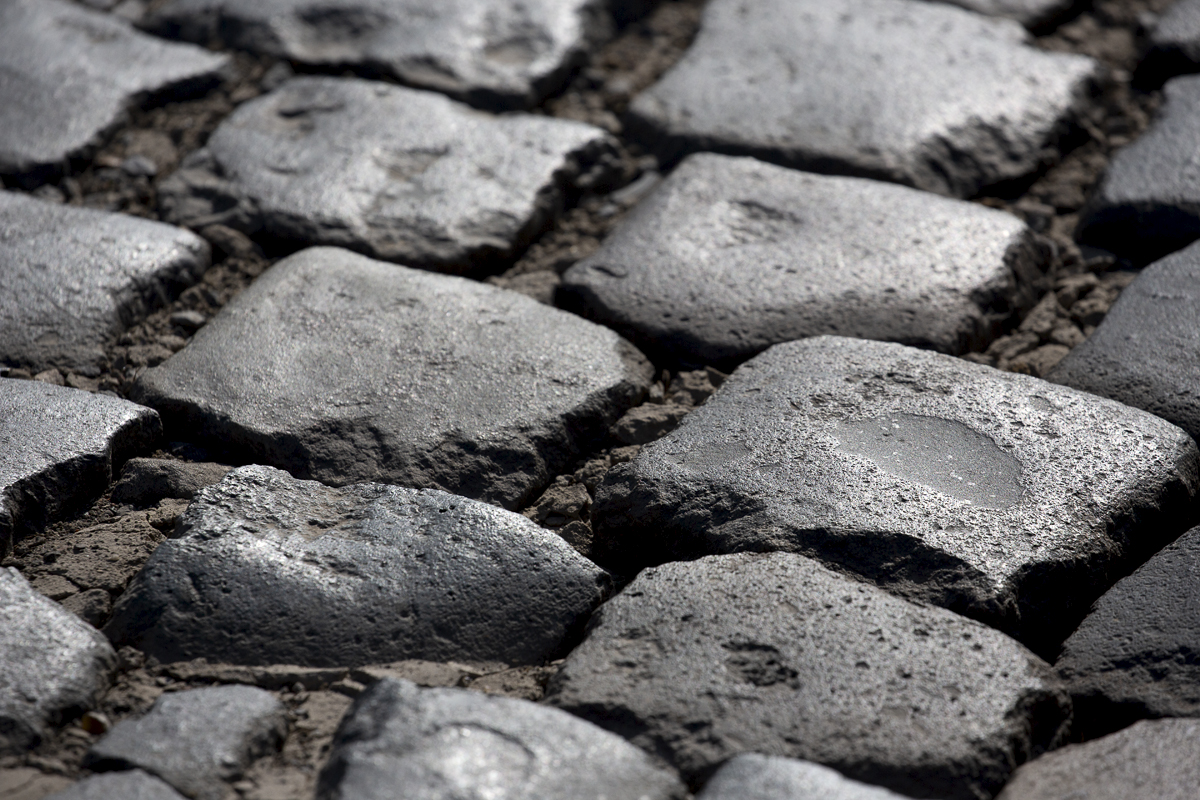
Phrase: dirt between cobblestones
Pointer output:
(123, 175)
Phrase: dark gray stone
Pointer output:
(441, 744)
(494, 53)
(53, 666)
(131, 785)
(68, 74)
(267, 569)
(997, 495)
(772, 653)
(395, 173)
(196, 740)
(1175, 41)
(752, 776)
(58, 448)
(456, 385)
(1036, 14)
(915, 92)
(75, 278)
(145, 481)
(1157, 759)
(730, 256)
(1146, 352)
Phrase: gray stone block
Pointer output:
(58, 448)
(731, 255)
(145, 481)
(1000, 496)
(131, 785)
(267, 569)
(752, 776)
(915, 92)
(53, 665)
(196, 740)
(1175, 41)
(1036, 14)
(457, 385)
(75, 278)
(772, 653)
(492, 53)
(68, 74)
(441, 744)
(395, 173)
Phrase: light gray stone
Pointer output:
(456, 385)
(915, 92)
(68, 74)
(493, 53)
(752, 776)
(53, 665)
(58, 447)
(1036, 14)
(731, 255)
(1175, 41)
(196, 740)
(75, 278)
(1157, 759)
(131, 785)
(395, 173)
(145, 481)
(441, 744)
(267, 569)
(997, 495)
(772, 653)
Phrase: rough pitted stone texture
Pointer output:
(1175, 40)
(457, 385)
(449, 743)
(1138, 653)
(494, 53)
(395, 173)
(68, 74)
(997, 495)
(920, 93)
(145, 481)
(752, 776)
(773, 653)
(267, 569)
(58, 447)
(731, 255)
(52, 664)
(1148, 202)
(1157, 759)
(196, 740)
(1030, 13)
(74, 278)
(131, 785)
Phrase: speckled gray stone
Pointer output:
(1175, 41)
(196, 740)
(75, 278)
(731, 255)
(773, 653)
(131, 785)
(1148, 202)
(1036, 14)
(494, 53)
(752, 776)
(441, 744)
(997, 495)
(68, 74)
(921, 93)
(58, 448)
(456, 385)
(1146, 352)
(1157, 759)
(395, 173)
(267, 569)
(53, 665)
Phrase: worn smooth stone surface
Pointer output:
(915, 92)
(494, 53)
(131, 785)
(74, 278)
(52, 664)
(731, 255)
(267, 569)
(58, 447)
(1148, 202)
(997, 495)
(1146, 352)
(457, 385)
(773, 653)
(1157, 759)
(1030, 13)
(196, 740)
(395, 173)
(449, 743)
(68, 74)
(752, 776)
